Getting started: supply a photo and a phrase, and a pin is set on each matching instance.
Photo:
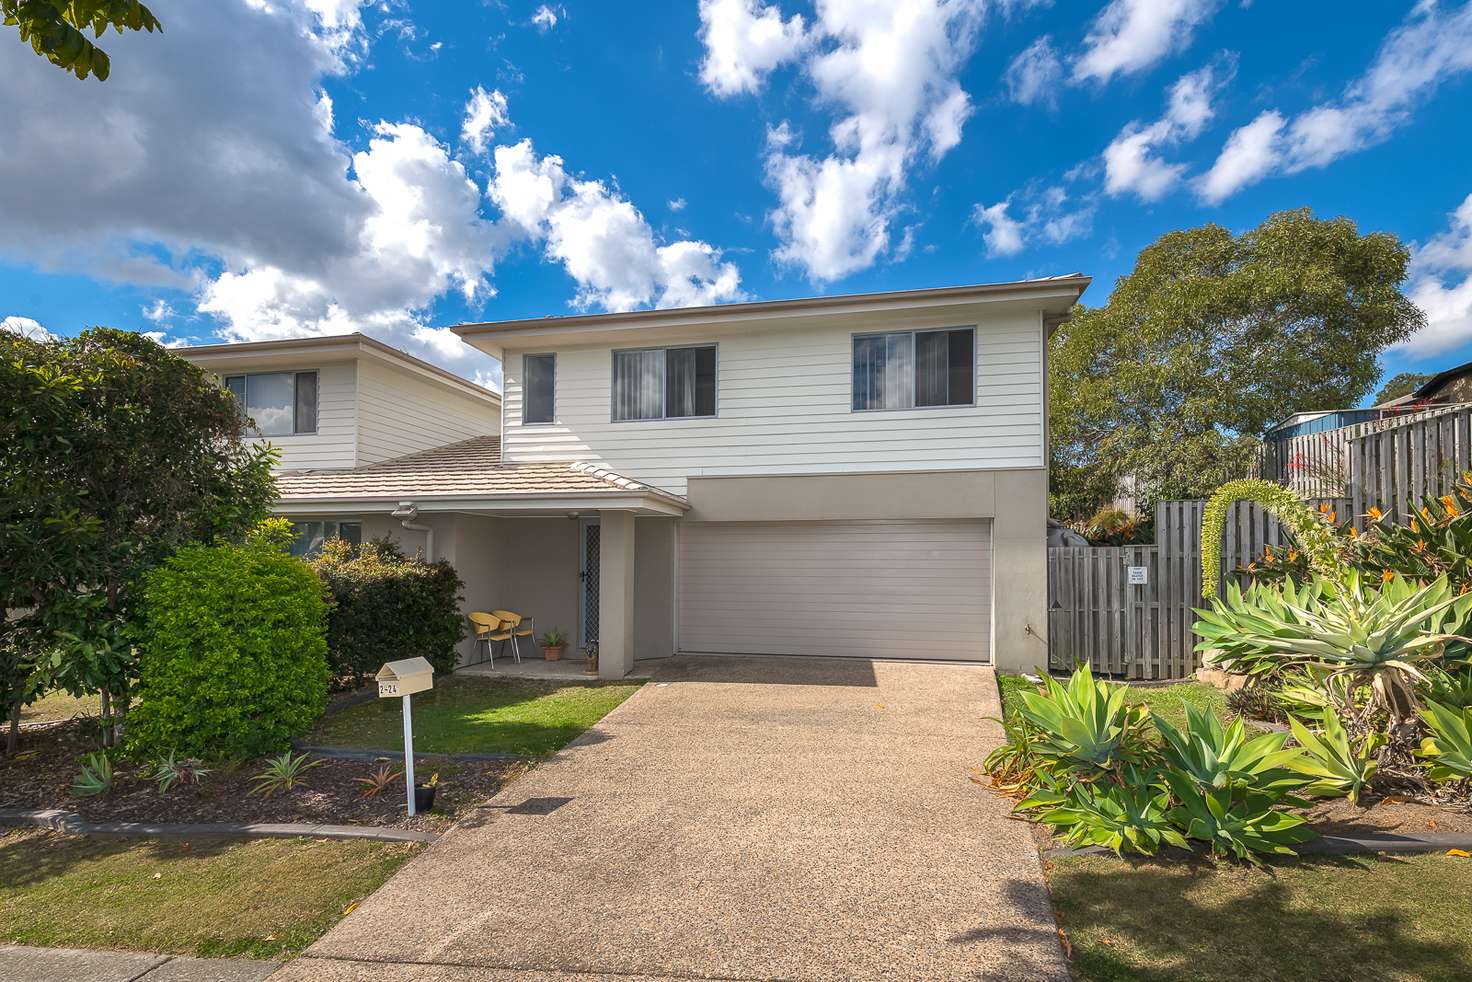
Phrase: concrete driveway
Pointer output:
(736, 819)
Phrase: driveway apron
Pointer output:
(738, 818)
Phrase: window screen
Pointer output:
(279, 403)
(908, 369)
(664, 383)
(539, 385)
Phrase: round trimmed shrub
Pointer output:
(232, 653)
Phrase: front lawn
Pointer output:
(1167, 701)
(470, 715)
(1362, 918)
(55, 706)
(268, 898)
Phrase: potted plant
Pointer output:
(424, 793)
(591, 651)
(552, 644)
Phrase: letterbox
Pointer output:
(404, 677)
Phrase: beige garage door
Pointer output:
(919, 589)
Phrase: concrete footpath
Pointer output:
(19, 963)
(738, 818)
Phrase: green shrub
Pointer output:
(1313, 531)
(232, 653)
(387, 606)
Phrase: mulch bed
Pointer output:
(39, 777)
(1388, 814)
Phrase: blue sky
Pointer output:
(306, 166)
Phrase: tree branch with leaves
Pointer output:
(54, 29)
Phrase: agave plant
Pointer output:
(1336, 765)
(1241, 825)
(1217, 757)
(169, 770)
(1130, 816)
(1311, 692)
(1012, 765)
(1450, 686)
(1084, 727)
(1448, 750)
(379, 780)
(95, 778)
(283, 773)
(1382, 637)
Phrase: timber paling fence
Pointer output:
(1138, 626)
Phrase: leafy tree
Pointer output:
(1402, 384)
(144, 452)
(53, 28)
(1213, 338)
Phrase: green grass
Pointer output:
(267, 898)
(468, 715)
(1166, 701)
(1366, 918)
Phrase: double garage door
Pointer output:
(911, 589)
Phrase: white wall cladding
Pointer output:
(783, 407)
(400, 413)
(335, 442)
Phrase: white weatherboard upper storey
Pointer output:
(783, 404)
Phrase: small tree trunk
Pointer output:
(106, 719)
(12, 732)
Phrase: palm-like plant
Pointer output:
(1217, 757)
(1448, 750)
(1236, 823)
(1335, 764)
(1085, 727)
(1381, 637)
(1119, 817)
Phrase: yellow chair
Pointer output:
(488, 629)
(520, 627)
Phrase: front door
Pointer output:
(588, 582)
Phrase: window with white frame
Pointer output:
(310, 535)
(664, 383)
(914, 369)
(539, 387)
(280, 403)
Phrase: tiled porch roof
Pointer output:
(470, 468)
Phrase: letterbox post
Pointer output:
(404, 678)
(409, 754)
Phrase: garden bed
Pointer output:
(40, 777)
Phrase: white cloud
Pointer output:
(1435, 288)
(1429, 47)
(159, 311)
(1049, 214)
(485, 112)
(1035, 74)
(26, 327)
(888, 73)
(1129, 36)
(546, 18)
(676, 204)
(744, 40)
(1131, 161)
(601, 239)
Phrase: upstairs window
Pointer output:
(664, 383)
(280, 403)
(539, 385)
(915, 369)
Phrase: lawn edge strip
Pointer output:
(71, 823)
(1324, 845)
(359, 753)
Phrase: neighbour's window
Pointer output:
(311, 535)
(280, 403)
(539, 386)
(910, 369)
(664, 383)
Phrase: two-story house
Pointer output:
(857, 476)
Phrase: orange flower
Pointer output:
(1353, 534)
(1333, 517)
(1374, 514)
(1323, 509)
(1420, 545)
(1292, 555)
(1426, 513)
(1450, 504)
(1386, 576)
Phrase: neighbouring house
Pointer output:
(1454, 385)
(856, 476)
